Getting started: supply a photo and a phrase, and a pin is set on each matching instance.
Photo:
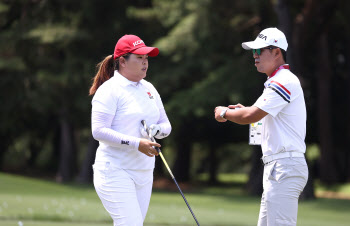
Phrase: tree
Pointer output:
(48, 51)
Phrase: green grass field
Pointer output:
(32, 202)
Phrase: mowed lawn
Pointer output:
(33, 202)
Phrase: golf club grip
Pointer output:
(158, 149)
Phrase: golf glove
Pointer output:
(154, 129)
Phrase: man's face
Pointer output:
(264, 62)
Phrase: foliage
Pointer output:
(49, 49)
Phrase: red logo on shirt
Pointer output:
(150, 95)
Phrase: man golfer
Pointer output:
(281, 107)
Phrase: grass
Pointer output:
(32, 202)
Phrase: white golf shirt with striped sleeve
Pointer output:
(284, 128)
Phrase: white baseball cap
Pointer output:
(268, 37)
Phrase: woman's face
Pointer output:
(135, 67)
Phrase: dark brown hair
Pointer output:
(284, 53)
(105, 70)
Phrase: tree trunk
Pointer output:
(254, 185)
(86, 172)
(285, 25)
(34, 152)
(4, 145)
(348, 125)
(328, 172)
(213, 165)
(182, 161)
(67, 159)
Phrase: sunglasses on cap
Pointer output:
(258, 51)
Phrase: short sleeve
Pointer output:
(105, 100)
(274, 98)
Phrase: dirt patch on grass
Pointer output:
(332, 195)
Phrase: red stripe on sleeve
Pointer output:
(281, 86)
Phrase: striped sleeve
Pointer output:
(280, 90)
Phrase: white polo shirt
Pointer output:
(284, 128)
(129, 102)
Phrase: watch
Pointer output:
(223, 112)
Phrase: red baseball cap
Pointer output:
(135, 45)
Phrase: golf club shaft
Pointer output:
(143, 122)
(172, 176)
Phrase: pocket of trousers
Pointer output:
(270, 171)
(282, 172)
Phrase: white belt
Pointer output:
(270, 158)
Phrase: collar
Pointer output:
(124, 81)
(284, 66)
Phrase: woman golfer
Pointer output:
(124, 163)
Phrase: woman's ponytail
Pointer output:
(105, 72)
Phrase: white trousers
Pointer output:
(283, 181)
(125, 194)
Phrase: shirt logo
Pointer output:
(137, 43)
(125, 142)
(150, 95)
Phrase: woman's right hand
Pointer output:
(147, 147)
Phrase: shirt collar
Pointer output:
(284, 66)
(124, 81)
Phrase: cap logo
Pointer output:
(262, 36)
(137, 43)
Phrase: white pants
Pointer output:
(125, 194)
(283, 181)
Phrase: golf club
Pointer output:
(143, 122)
